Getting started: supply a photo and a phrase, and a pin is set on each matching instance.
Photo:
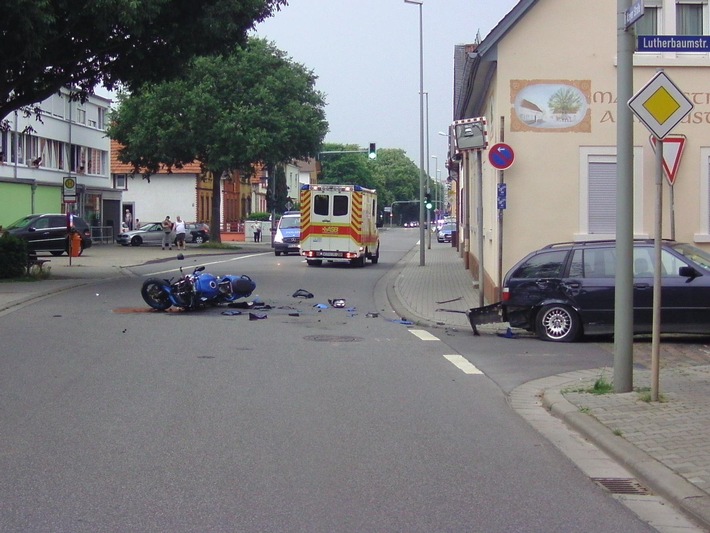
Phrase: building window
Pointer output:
(597, 190)
(649, 24)
(703, 233)
(690, 17)
(602, 197)
(120, 181)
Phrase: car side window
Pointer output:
(643, 262)
(543, 265)
(41, 223)
(57, 222)
(596, 262)
(670, 264)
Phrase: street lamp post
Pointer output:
(422, 183)
(436, 188)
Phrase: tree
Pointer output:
(49, 44)
(228, 112)
(347, 168)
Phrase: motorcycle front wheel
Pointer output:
(155, 293)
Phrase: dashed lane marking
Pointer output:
(424, 335)
(462, 364)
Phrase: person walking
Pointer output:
(128, 219)
(256, 228)
(167, 225)
(180, 233)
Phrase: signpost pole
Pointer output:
(656, 317)
(624, 297)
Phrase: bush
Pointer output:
(13, 256)
(259, 215)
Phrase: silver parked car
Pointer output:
(148, 233)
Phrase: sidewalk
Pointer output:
(666, 445)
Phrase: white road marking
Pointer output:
(424, 335)
(462, 364)
(186, 268)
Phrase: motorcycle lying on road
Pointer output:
(195, 290)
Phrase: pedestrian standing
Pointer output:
(167, 225)
(128, 219)
(256, 228)
(180, 233)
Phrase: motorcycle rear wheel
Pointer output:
(155, 293)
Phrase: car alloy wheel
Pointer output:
(558, 323)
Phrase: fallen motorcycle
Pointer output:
(195, 290)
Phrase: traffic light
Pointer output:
(427, 201)
(372, 154)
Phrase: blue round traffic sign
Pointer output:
(501, 156)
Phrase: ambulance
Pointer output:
(339, 223)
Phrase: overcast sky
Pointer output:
(366, 56)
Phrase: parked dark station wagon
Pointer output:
(565, 290)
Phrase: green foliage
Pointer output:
(259, 215)
(392, 174)
(112, 42)
(228, 112)
(13, 256)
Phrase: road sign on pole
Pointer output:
(673, 146)
(660, 105)
(501, 156)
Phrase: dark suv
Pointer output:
(48, 233)
(565, 290)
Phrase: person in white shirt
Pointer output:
(180, 233)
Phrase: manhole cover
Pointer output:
(332, 338)
(621, 485)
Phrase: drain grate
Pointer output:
(332, 338)
(621, 485)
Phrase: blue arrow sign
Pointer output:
(502, 195)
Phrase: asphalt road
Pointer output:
(116, 418)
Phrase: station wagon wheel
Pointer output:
(558, 323)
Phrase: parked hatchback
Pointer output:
(565, 290)
(48, 232)
(148, 233)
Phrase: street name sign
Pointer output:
(634, 13)
(660, 105)
(673, 43)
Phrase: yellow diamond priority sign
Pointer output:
(660, 105)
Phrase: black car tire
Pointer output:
(198, 239)
(56, 253)
(136, 241)
(155, 294)
(557, 323)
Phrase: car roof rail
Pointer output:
(600, 241)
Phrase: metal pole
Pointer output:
(428, 175)
(422, 243)
(501, 180)
(656, 316)
(479, 221)
(624, 296)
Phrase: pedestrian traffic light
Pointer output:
(427, 201)
(372, 154)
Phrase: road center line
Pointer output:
(424, 335)
(462, 364)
